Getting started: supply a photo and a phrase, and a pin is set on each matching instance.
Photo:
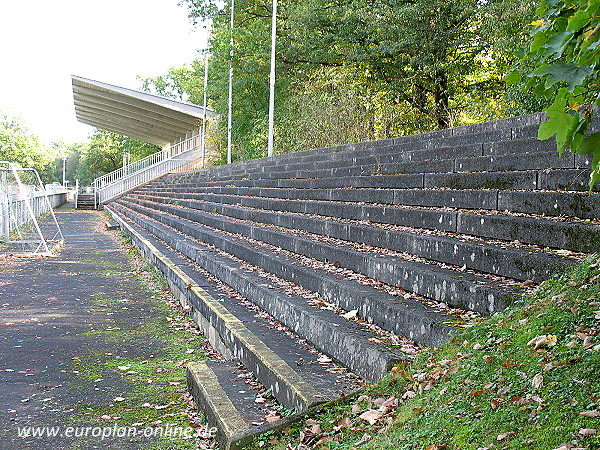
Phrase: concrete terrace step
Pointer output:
(490, 163)
(220, 389)
(232, 328)
(342, 340)
(498, 260)
(296, 374)
(524, 127)
(578, 237)
(401, 316)
(548, 179)
(385, 156)
(554, 203)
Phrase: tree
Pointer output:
(105, 152)
(565, 51)
(181, 83)
(20, 147)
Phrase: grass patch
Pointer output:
(527, 377)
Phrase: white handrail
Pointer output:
(139, 172)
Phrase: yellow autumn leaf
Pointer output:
(537, 23)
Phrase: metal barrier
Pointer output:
(135, 174)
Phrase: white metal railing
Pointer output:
(139, 172)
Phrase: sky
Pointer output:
(43, 42)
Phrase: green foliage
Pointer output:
(181, 83)
(105, 154)
(20, 147)
(565, 51)
(356, 70)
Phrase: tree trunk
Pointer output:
(442, 110)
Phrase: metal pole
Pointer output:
(64, 170)
(229, 105)
(272, 80)
(204, 113)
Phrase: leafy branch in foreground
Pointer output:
(565, 48)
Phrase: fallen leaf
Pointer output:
(391, 402)
(366, 437)
(409, 394)
(593, 413)
(476, 393)
(549, 340)
(587, 432)
(342, 423)
(371, 416)
(118, 399)
(272, 417)
(350, 314)
(537, 381)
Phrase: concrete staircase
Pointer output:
(314, 272)
(86, 201)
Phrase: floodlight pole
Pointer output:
(229, 102)
(272, 80)
(204, 112)
(64, 158)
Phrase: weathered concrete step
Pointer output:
(578, 237)
(460, 289)
(234, 330)
(534, 156)
(390, 165)
(340, 339)
(227, 402)
(380, 158)
(528, 161)
(415, 217)
(219, 390)
(447, 198)
(572, 204)
(508, 262)
(548, 179)
(498, 260)
(402, 316)
(370, 181)
(374, 160)
(519, 146)
(565, 180)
